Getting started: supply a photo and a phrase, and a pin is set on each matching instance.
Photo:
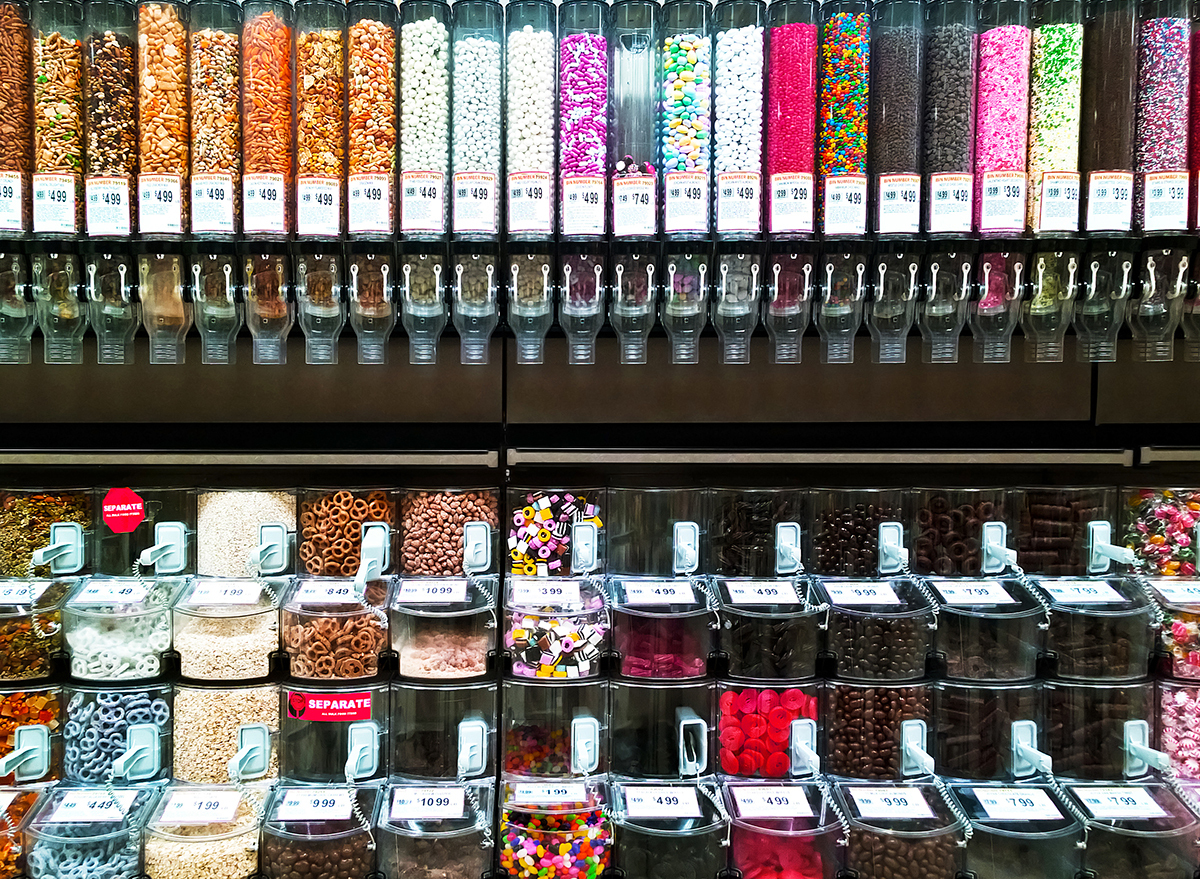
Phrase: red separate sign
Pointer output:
(123, 510)
(329, 706)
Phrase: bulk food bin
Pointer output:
(655, 532)
(227, 630)
(218, 726)
(947, 528)
(119, 628)
(1179, 600)
(770, 629)
(88, 831)
(988, 630)
(151, 529)
(31, 626)
(331, 529)
(1179, 726)
(843, 539)
(438, 830)
(1137, 829)
(444, 627)
(442, 532)
(878, 629)
(29, 522)
(782, 830)
(1159, 525)
(31, 722)
(1020, 832)
(900, 830)
(15, 807)
(973, 727)
(213, 830)
(1052, 527)
(755, 532)
(569, 818)
(1085, 725)
(759, 731)
(668, 829)
(119, 733)
(556, 627)
(661, 729)
(662, 629)
(319, 830)
(542, 537)
(862, 726)
(443, 730)
(334, 629)
(555, 729)
(1099, 629)
(325, 731)
(245, 532)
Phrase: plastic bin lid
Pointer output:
(76, 813)
(1015, 810)
(563, 796)
(213, 597)
(315, 812)
(766, 597)
(784, 808)
(895, 597)
(665, 808)
(436, 809)
(655, 596)
(200, 813)
(899, 808)
(1177, 594)
(570, 594)
(124, 596)
(1135, 809)
(444, 596)
(1096, 596)
(990, 598)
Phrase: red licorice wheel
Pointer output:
(781, 735)
(758, 746)
(748, 701)
(727, 720)
(767, 700)
(754, 725)
(777, 765)
(728, 702)
(729, 762)
(750, 762)
(793, 699)
(732, 737)
(780, 718)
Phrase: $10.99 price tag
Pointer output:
(201, 807)
(427, 803)
(317, 804)
(433, 591)
(761, 592)
(662, 801)
(771, 801)
(906, 803)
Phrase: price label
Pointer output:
(969, 593)
(857, 592)
(212, 203)
(1110, 201)
(263, 208)
(1166, 202)
(433, 590)
(846, 205)
(106, 200)
(22, 591)
(739, 202)
(666, 801)
(635, 206)
(1082, 592)
(791, 203)
(686, 208)
(92, 806)
(12, 214)
(427, 803)
(201, 807)
(1003, 207)
(583, 206)
(951, 201)
(899, 204)
(370, 203)
(216, 592)
(550, 792)
(761, 592)
(160, 204)
(1119, 802)
(1178, 592)
(325, 592)
(6, 800)
(113, 592)
(422, 201)
(319, 206)
(529, 202)
(659, 592)
(315, 804)
(546, 591)
(1017, 804)
(1058, 209)
(54, 203)
(891, 802)
(771, 802)
(475, 202)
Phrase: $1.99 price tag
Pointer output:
(858, 592)
(891, 802)
(1017, 804)
(217, 592)
(546, 591)
(549, 792)
(659, 592)
(767, 801)
(427, 803)
(433, 591)
(761, 592)
(92, 806)
(317, 804)
(662, 801)
(201, 807)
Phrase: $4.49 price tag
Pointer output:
(113, 592)
(771, 801)
(659, 592)
(218, 592)
(545, 591)
(1082, 592)
(1116, 803)
(761, 592)
(1017, 804)
(859, 592)
(433, 590)
(980, 592)
(662, 801)
(891, 802)
(316, 804)
(92, 806)
(201, 807)
(1174, 592)
(427, 803)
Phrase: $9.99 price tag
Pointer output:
(427, 803)
(769, 801)
(858, 592)
(433, 591)
(201, 807)
(891, 802)
(317, 804)
(665, 801)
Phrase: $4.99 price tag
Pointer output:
(546, 591)
(160, 203)
(427, 803)
(529, 202)
(891, 802)
(659, 592)
(201, 807)
(686, 207)
(951, 199)
(433, 590)
(771, 801)
(761, 592)
(899, 204)
(263, 203)
(12, 210)
(583, 206)
(92, 806)
(846, 205)
(1115, 803)
(1017, 804)
(1174, 592)
(859, 592)
(317, 804)
(662, 801)
(212, 203)
(54, 203)
(981, 592)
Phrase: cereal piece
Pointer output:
(226, 648)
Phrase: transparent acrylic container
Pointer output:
(321, 302)
(582, 119)
(633, 118)
(432, 528)
(1110, 52)
(58, 158)
(1161, 841)
(943, 314)
(97, 724)
(425, 118)
(227, 630)
(111, 116)
(844, 535)
(33, 706)
(1180, 603)
(736, 298)
(685, 150)
(540, 524)
(556, 627)
(862, 726)
(114, 315)
(119, 628)
(738, 117)
(886, 847)
(444, 628)
(61, 315)
(765, 633)
(319, 104)
(268, 303)
(793, 68)
(972, 735)
(371, 299)
(478, 38)
(1154, 315)
(117, 551)
(1002, 276)
(1051, 525)
(583, 297)
(16, 812)
(634, 305)
(56, 844)
(217, 309)
(539, 815)
(216, 125)
(640, 527)
(268, 138)
(330, 632)
(1085, 725)
(1099, 629)
(315, 730)
(1010, 846)
(331, 515)
(787, 302)
(530, 303)
(1160, 526)
(531, 72)
(649, 847)
(476, 290)
(25, 519)
(227, 530)
(220, 847)
(843, 117)
(372, 113)
(778, 844)
(31, 626)
(1055, 115)
(840, 291)
(207, 720)
(948, 131)
(1046, 312)
(17, 313)
(948, 525)
(897, 78)
(16, 105)
(665, 638)
(1178, 703)
(340, 836)
(661, 729)
(886, 635)
(162, 184)
(893, 303)
(166, 312)
(425, 839)
(425, 285)
(684, 307)
(988, 630)
(554, 729)
(429, 739)
(754, 725)
(1100, 309)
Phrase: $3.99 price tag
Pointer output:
(201, 807)
(546, 591)
(427, 803)
(662, 801)
(92, 806)
(1115, 803)
(860, 592)
(1003, 207)
(317, 804)
(433, 590)
(906, 803)
(1017, 804)
(771, 801)
(761, 592)
(1166, 202)
(659, 592)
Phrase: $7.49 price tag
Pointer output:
(662, 801)
(316, 804)
(761, 592)
(201, 807)
(427, 803)
(433, 590)
(767, 801)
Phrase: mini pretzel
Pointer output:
(352, 531)
(349, 570)
(307, 520)
(333, 569)
(343, 499)
(379, 511)
(339, 516)
(301, 667)
(307, 551)
(315, 565)
(380, 496)
(323, 667)
(359, 508)
(321, 541)
(350, 668)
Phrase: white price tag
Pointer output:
(1003, 208)
(1178, 592)
(546, 592)
(160, 204)
(1110, 201)
(761, 592)
(216, 592)
(1119, 802)
(201, 807)
(1017, 804)
(771, 802)
(549, 792)
(846, 205)
(529, 202)
(113, 592)
(635, 206)
(899, 204)
(422, 201)
(54, 203)
(1082, 592)
(212, 203)
(891, 802)
(315, 804)
(475, 201)
(662, 801)
(325, 592)
(92, 806)
(22, 591)
(12, 216)
(318, 206)
(739, 202)
(686, 203)
(370, 204)
(970, 592)
(791, 203)
(427, 803)
(583, 206)
(1058, 210)
(951, 201)
(106, 200)
(659, 592)
(860, 592)
(263, 205)
(433, 590)
(1166, 202)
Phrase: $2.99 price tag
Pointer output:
(91, 806)
(201, 807)
(1017, 804)
(662, 801)
(433, 590)
(546, 591)
(859, 592)
(659, 592)
(771, 802)
(1115, 803)
(317, 804)
(761, 592)
(891, 802)
(427, 803)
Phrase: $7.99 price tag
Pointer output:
(427, 803)
(1115, 803)
(771, 802)
(1017, 804)
(1083, 592)
(966, 594)
(662, 801)
(316, 804)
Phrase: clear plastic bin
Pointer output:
(31, 626)
(443, 731)
(41, 706)
(556, 627)
(329, 634)
(554, 729)
(96, 732)
(444, 627)
(1179, 726)
(539, 528)
(211, 830)
(18, 807)
(862, 726)
(1150, 833)
(1160, 526)
(770, 629)
(947, 528)
(988, 630)
(1180, 602)
(690, 843)
(316, 831)
(423, 830)
(119, 628)
(844, 531)
(570, 819)
(74, 829)
(881, 630)
(207, 721)
(25, 519)
(754, 726)
(318, 726)
(900, 830)
(1020, 832)
(974, 727)
(1085, 725)
(226, 630)
(1052, 527)
(641, 524)
(661, 730)
(331, 521)
(432, 525)
(662, 629)
(782, 830)
(126, 527)
(1099, 629)
(227, 530)
(742, 529)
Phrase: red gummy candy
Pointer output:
(777, 765)
(728, 702)
(780, 718)
(767, 700)
(748, 701)
(754, 725)
(751, 762)
(729, 762)
(732, 737)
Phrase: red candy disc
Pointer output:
(728, 720)
(777, 765)
(793, 699)
(729, 701)
(754, 725)
(750, 762)
(748, 701)
(732, 737)
(729, 762)
(780, 718)
(767, 700)
(781, 735)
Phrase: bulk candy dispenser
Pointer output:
(334, 628)
(901, 826)
(119, 628)
(320, 117)
(16, 159)
(553, 728)
(670, 829)
(226, 733)
(45, 532)
(438, 828)
(17, 313)
(424, 286)
(166, 312)
(56, 287)
(216, 125)
(1023, 832)
(58, 118)
(791, 114)
(141, 529)
(943, 313)
(317, 830)
(371, 299)
(1001, 277)
(531, 68)
(948, 529)
(661, 729)
(633, 118)
(1104, 294)
(268, 148)
(227, 629)
(583, 296)
(330, 533)
(31, 626)
(110, 280)
(269, 301)
(478, 47)
(321, 301)
(425, 118)
(685, 123)
(879, 630)
(841, 287)
(662, 629)
(844, 537)
(738, 117)
(1055, 86)
(894, 276)
(788, 295)
(245, 532)
(18, 805)
(684, 306)
(330, 733)
(1141, 829)
(583, 127)
(633, 308)
(768, 729)
(1180, 603)
(973, 727)
(948, 130)
(111, 118)
(1052, 527)
(475, 290)
(655, 532)
(117, 734)
(842, 117)
(443, 730)
(31, 726)
(569, 818)
(736, 300)
(1100, 629)
(1046, 312)
(163, 136)
(556, 627)
(371, 117)
(782, 829)
(897, 74)
(213, 830)
(74, 830)
(1178, 729)
(1159, 525)
(1086, 725)
(863, 726)
(989, 630)
(1154, 315)
(530, 300)
(215, 282)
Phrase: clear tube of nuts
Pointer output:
(267, 142)
(475, 125)
(216, 124)
(320, 302)
(270, 310)
(58, 117)
(531, 71)
(424, 117)
(162, 117)
(320, 116)
(111, 117)
(530, 303)
(371, 103)
(16, 118)
(476, 311)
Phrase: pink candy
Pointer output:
(1002, 117)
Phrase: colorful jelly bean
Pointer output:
(845, 62)
(1164, 74)
(686, 98)
(542, 845)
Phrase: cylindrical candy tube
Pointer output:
(583, 117)
(424, 117)
(633, 150)
(791, 115)
(1109, 85)
(475, 126)
(162, 118)
(948, 144)
(685, 122)
(1054, 116)
(738, 118)
(1160, 196)
(371, 119)
(110, 88)
(320, 116)
(842, 138)
(897, 80)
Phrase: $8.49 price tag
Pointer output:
(331, 591)
(317, 804)
(761, 592)
(859, 592)
(659, 592)
(433, 590)
(767, 801)
(201, 807)
(427, 803)
(662, 801)
(545, 591)
(891, 802)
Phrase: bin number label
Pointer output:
(662, 801)
(263, 203)
(315, 804)
(771, 801)
(201, 807)
(54, 203)
(635, 206)
(891, 802)
(212, 203)
(1181, 593)
(686, 201)
(325, 591)
(846, 205)
(951, 198)
(427, 803)
(1017, 804)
